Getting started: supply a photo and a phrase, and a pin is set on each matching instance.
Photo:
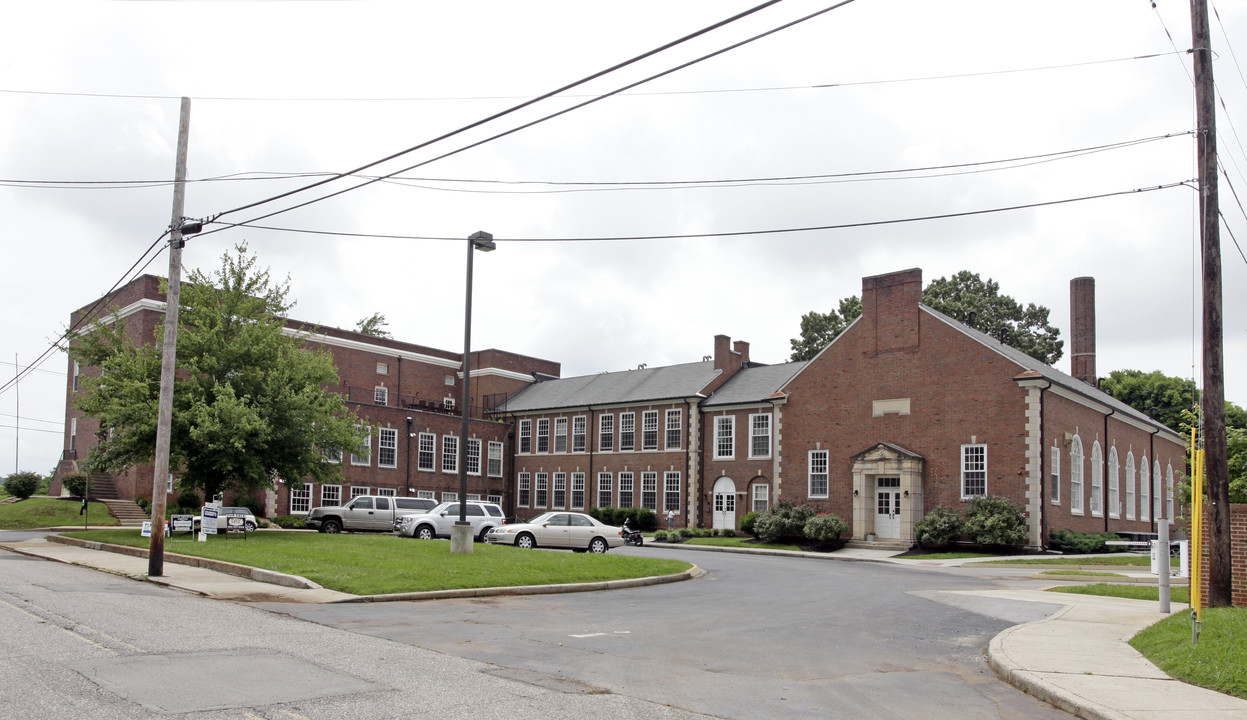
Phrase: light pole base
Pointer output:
(461, 539)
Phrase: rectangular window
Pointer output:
(1114, 482)
(380, 396)
(627, 431)
(450, 454)
(427, 453)
(474, 456)
(387, 448)
(1131, 480)
(357, 491)
(77, 371)
(1054, 476)
(761, 497)
(332, 456)
(649, 430)
(1145, 490)
(450, 496)
(543, 435)
(543, 490)
(675, 423)
(818, 479)
(606, 433)
(386, 492)
(625, 489)
(578, 490)
(1075, 476)
(724, 437)
(301, 500)
(363, 454)
(560, 435)
(426, 494)
(973, 470)
(560, 490)
(495, 499)
(649, 490)
(580, 430)
(330, 495)
(473, 497)
(73, 433)
(524, 483)
(383, 368)
(1097, 479)
(759, 436)
(671, 491)
(605, 496)
(495, 458)
(526, 437)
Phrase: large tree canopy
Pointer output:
(249, 403)
(964, 296)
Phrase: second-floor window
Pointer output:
(363, 454)
(380, 396)
(387, 448)
(724, 437)
(973, 470)
(759, 436)
(526, 436)
(579, 433)
(426, 452)
(450, 454)
(560, 435)
(543, 435)
(649, 430)
(495, 459)
(474, 456)
(606, 433)
(675, 419)
(627, 431)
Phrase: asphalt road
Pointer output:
(757, 637)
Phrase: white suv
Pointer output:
(437, 522)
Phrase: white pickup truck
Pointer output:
(370, 513)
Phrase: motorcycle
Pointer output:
(631, 537)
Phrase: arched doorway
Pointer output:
(724, 506)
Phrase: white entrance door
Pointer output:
(724, 504)
(888, 507)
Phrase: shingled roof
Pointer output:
(670, 382)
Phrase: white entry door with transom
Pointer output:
(888, 507)
(724, 504)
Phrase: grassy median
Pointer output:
(382, 564)
(40, 512)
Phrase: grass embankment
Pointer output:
(39, 512)
(383, 564)
(1218, 661)
(745, 542)
(1107, 560)
(1177, 593)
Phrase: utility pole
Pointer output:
(168, 352)
(1219, 560)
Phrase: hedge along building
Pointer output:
(408, 393)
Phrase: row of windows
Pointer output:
(973, 472)
(551, 490)
(426, 454)
(671, 437)
(1149, 496)
(725, 436)
(301, 499)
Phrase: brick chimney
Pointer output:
(890, 310)
(1082, 329)
(728, 359)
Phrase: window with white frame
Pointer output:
(1075, 475)
(450, 496)
(818, 481)
(426, 494)
(1131, 480)
(386, 492)
(973, 470)
(523, 487)
(387, 448)
(73, 433)
(675, 429)
(543, 435)
(301, 500)
(605, 488)
(450, 454)
(761, 497)
(495, 458)
(1157, 493)
(77, 372)
(363, 454)
(426, 455)
(724, 437)
(330, 495)
(1169, 492)
(169, 483)
(649, 430)
(1097, 478)
(474, 456)
(578, 490)
(625, 490)
(495, 499)
(560, 435)
(526, 437)
(383, 368)
(580, 431)
(649, 490)
(1114, 484)
(1145, 490)
(671, 490)
(1054, 476)
(332, 455)
(357, 490)
(759, 436)
(473, 497)
(606, 433)
(560, 490)
(380, 396)
(627, 431)
(542, 498)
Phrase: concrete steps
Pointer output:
(127, 512)
(897, 545)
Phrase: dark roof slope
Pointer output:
(754, 384)
(649, 384)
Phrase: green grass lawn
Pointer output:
(1177, 593)
(946, 556)
(38, 512)
(381, 564)
(1218, 661)
(1108, 560)
(1081, 572)
(745, 542)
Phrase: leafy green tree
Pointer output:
(964, 296)
(1236, 451)
(249, 404)
(374, 325)
(1159, 396)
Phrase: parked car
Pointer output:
(364, 512)
(437, 522)
(573, 530)
(248, 519)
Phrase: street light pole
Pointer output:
(461, 533)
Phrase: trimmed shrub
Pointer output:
(993, 520)
(825, 528)
(147, 504)
(290, 522)
(704, 532)
(75, 483)
(642, 519)
(747, 522)
(939, 527)
(251, 503)
(685, 532)
(189, 498)
(1074, 543)
(783, 520)
(22, 485)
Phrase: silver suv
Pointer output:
(482, 516)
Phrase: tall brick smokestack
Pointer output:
(1082, 329)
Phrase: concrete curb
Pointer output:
(1111, 579)
(228, 568)
(770, 551)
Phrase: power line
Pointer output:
(30, 429)
(29, 419)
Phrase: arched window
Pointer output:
(1075, 475)
(1145, 490)
(1169, 492)
(1097, 478)
(1114, 484)
(1130, 485)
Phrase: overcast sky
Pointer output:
(89, 93)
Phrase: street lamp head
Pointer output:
(482, 241)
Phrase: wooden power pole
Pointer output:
(1220, 570)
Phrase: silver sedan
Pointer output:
(573, 530)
